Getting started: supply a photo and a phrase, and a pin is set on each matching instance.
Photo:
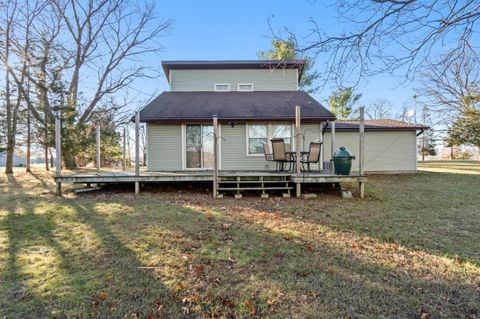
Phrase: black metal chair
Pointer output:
(313, 155)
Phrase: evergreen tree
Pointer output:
(465, 130)
(286, 50)
(342, 102)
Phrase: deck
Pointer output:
(236, 181)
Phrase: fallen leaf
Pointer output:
(102, 296)
(250, 304)
(309, 247)
(179, 286)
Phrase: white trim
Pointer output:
(416, 150)
(215, 87)
(219, 146)
(146, 146)
(238, 87)
(184, 144)
(297, 78)
(269, 136)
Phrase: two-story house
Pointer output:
(254, 102)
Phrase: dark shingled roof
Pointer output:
(379, 125)
(234, 106)
(232, 64)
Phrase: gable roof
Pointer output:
(380, 125)
(232, 64)
(177, 107)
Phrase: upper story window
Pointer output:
(222, 87)
(245, 87)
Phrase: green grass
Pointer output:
(410, 247)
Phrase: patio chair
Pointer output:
(280, 153)
(313, 155)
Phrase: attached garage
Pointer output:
(390, 145)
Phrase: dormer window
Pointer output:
(222, 87)
(245, 87)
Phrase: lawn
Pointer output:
(410, 249)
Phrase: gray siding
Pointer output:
(234, 151)
(164, 145)
(263, 80)
(384, 151)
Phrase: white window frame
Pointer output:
(215, 87)
(239, 84)
(269, 136)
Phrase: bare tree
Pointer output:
(392, 35)
(379, 109)
(450, 91)
(84, 52)
(8, 22)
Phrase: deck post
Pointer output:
(124, 148)
(332, 144)
(137, 151)
(361, 153)
(297, 149)
(98, 148)
(58, 153)
(215, 156)
(320, 164)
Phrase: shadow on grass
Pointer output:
(49, 272)
(207, 261)
(289, 276)
(41, 181)
(432, 212)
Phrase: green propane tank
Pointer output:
(342, 160)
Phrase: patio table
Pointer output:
(293, 158)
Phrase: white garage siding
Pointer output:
(385, 151)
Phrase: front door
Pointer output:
(199, 146)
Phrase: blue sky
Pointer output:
(223, 30)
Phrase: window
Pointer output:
(258, 134)
(282, 131)
(222, 87)
(245, 87)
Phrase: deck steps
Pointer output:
(252, 188)
(244, 183)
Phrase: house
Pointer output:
(254, 102)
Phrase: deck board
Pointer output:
(146, 176)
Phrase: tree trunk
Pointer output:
(52, 164)
(9, 156)
(46, 146)
(29, 136)
(10, 117)
(69, 158)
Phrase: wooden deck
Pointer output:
(228, 181)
